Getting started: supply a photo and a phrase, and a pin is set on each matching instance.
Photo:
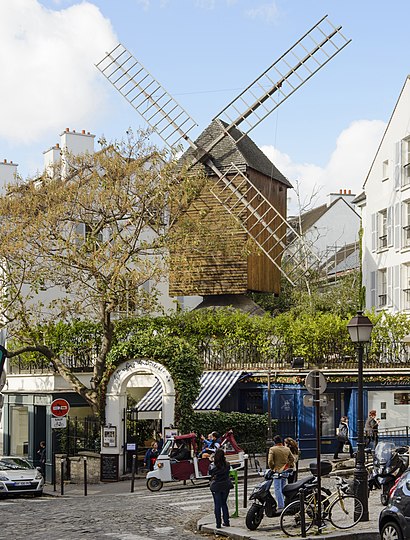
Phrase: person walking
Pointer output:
(151, 456)
(42, 458)
(343, 438)
(220, 485)
(293, 447)
(371, 430)
(280, 460)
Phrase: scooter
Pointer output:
(265, 503)
(389, 463)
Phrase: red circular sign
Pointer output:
(60, 407)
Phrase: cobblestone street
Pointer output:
(120, 516)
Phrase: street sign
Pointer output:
(308, 400)
(310, 382)
(60, 407)
(58, 423)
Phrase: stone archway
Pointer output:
(116, 396)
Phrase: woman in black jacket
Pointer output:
(220, 486)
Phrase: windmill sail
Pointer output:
(158, 108)
(295, 67)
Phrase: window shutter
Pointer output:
(397, 226)
(373, 290)
(374, 231)
(397, 288)
(390, 226)
(390, 286)
(397, 166)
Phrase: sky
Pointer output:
(204, 52)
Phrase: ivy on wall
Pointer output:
(176, 354)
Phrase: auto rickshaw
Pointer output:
(167, 469)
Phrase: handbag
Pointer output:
(346, 448)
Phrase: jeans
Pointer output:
(279, 484)
(220, 505)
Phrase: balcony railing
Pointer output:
(330, 355)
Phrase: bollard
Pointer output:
(302, 513)
(62, 476)
(134, 460)
(245, 483)
(85, 476)
(54, 473)
(234, 475)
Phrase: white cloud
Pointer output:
(266, 12)
(49, 80)
(347, 167)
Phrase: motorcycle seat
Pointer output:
(295, 486)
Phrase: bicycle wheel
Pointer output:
(290, 518)
(345, 512)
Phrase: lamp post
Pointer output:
(360, 329)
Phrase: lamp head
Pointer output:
(360, 328)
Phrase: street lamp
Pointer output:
(360, 329)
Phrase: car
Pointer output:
(394, 520)
(18, 477)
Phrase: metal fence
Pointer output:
(332, 354)
(81, 434)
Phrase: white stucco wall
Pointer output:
(383, 192)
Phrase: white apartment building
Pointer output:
(385, 208)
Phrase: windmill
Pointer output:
(255, 197)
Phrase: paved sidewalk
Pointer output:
(270, 528)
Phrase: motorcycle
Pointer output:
(265, 504)
(389, 463)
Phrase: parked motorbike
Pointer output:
(265, 504)
(389, 463)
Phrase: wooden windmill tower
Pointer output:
(244, 181)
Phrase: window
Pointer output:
(406, 286)
(401, 398)
(382, 229)
(90, 235)
(406, 224)
(382, 287)
(385, 169)
(406, 161)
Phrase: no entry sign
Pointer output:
(60, 407)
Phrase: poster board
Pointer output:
(109, 436)
(109, 468)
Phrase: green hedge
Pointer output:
(250, 430)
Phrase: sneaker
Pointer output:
(226, 524)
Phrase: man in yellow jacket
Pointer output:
(280, 460)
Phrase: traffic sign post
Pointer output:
(316, 384)
(60, 407)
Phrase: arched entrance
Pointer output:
(116, 400)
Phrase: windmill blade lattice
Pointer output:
(263, 223)
(296, 66)
(158, 108)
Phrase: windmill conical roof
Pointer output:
(232, 149)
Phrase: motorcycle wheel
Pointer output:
(254, 516)
(391, 531)
(154, 484)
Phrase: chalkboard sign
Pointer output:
(109, 468)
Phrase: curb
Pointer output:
(239, 533)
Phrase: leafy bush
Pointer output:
(250, 430)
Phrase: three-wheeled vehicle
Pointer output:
(168, 469)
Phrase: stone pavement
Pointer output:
(269, 527)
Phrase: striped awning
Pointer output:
(215, 385)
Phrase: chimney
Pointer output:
(345, 194)
(8, 173)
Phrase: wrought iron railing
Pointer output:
(332, 354)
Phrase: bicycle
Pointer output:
(343, 510)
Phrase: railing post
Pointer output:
(245, 482)
(302, 513)
(133, 467)
(62, 475)
(85, 476)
